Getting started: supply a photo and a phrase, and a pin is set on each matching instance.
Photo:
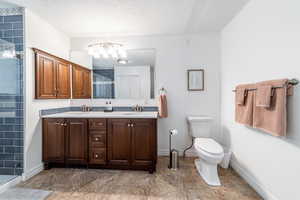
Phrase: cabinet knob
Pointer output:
(132, 125)
(96, 138)
(96, 155)
(129, 125)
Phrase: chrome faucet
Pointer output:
(85, 108)
(137, 108)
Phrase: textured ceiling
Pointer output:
(79, 18)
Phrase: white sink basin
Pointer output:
(132, 113)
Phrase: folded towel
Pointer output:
(273, 120)
(162, 106)
(263, 95)
(290, 90)
(244, 113)
(240, 95)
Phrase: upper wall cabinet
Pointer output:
(81, 82)
(52, 76)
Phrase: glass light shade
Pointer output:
(107, 50)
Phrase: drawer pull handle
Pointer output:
(100, 124)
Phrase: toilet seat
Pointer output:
(209, 146)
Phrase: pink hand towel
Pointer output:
(240, 95)
(290, 90)
(244, 113)
(162, 106)
(263, 95)
(273, 120)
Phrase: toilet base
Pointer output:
(208, 172)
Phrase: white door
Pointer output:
(132, 82)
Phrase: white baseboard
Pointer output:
(10, 184)
(246, 175)
(34, 171)
(165, 152)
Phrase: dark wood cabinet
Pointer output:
(103, 143)
(132, 142)
(76, 141)
(143, 139)
(119, 141)
(63, 80)
(81, 82)
(65, 141)
(97, 141)
(45, 77)
(53, 78)
(53, 141)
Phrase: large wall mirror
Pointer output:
(130, 78)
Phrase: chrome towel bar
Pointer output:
(291, 82)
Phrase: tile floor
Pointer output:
(6, 178)
(165, 184)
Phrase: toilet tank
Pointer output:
(200, 126)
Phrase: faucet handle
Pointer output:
(135, 107)
(140, 108)
(83, 108)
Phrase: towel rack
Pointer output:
(291, 82)
(163, 90)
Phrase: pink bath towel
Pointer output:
(273, 119)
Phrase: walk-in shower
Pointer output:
(11, 93)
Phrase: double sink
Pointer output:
(101, 114)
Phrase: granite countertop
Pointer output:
(101, 114)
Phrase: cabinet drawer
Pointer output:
(97, 139)
(97, 123)
(98, 156)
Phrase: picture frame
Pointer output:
(195, 79)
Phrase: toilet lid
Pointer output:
(208, 145)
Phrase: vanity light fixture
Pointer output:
(106, 50)
(122, 61)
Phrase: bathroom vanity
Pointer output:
(117, 140)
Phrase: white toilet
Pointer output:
(210, 152)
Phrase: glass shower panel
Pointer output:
(11, 93)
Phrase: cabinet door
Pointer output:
(81, 82)
(76, 141)
(87, 84)
(53, 140)
(45, 77)
(143, 144)
(63, 80)
(119, 141)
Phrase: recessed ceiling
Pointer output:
(80, 18)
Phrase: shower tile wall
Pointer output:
(11, 105)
